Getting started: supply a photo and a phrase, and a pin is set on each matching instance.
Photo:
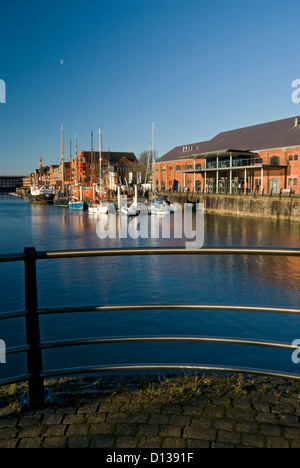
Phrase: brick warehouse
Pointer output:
(10, 183)
(262, 158)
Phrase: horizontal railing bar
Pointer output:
(178, 367)
(17, 257)
(111, 308)
(167, 251)
(42, 255)
(13, 380)
(17, 349)
(11, 315)
(146, 339)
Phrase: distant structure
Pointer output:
(9, 184)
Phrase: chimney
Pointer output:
(296, 122)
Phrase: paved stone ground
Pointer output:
(207, 411)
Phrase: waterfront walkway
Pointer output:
(205, 411)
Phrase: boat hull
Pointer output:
(161, 207)
(61, 202)
(98, 209)
(41, 199)
(129, 211)
(160, 212)
(78, 205)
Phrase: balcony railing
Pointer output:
(34, 346)
(235, 163)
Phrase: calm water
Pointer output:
(186, 279)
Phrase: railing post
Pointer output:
(34, 355)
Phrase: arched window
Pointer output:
(275, 161)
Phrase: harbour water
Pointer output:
(272, 281)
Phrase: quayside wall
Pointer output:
(270, 207)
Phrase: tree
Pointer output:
(145, 164)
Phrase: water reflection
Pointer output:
(269, 281)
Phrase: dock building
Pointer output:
(262, 158)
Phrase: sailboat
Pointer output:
(98, 206)
(131, 208)
(77, 202)
(60, 200)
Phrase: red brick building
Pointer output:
(85, 170)
(114, 167)
(262, 158)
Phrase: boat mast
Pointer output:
(40, 178)
(62, 159)
(153, 167)
(92, 160)
(100, 162)
(70, 173)
(148, 164)
(76, 157)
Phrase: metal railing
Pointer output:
(236, 191)
(34, 347)
(240, 162)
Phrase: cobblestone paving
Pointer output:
(171, 412)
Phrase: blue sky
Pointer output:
(194, 67)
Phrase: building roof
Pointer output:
(112, 157)
(277, 134)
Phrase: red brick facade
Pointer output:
(85, 170)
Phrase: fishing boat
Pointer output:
(79, 205)
(87, 192)
(40, 194)
(61, 202)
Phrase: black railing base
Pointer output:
(25, 400)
